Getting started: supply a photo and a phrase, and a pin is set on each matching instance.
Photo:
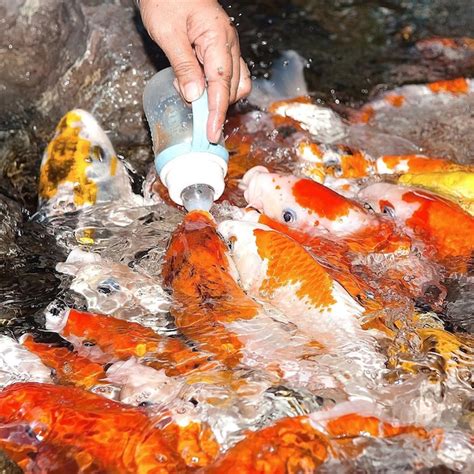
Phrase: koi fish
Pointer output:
(114, 437)
(446, 230)
(69, 367)
(316, 210)
(306, 443)
(80, 168)
(211, 308)
(124, 339)
(416, 164)
(198, 272)
(277, 269)
(435, 117)
(457, 186)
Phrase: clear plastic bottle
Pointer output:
(190, 167)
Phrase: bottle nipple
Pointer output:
(198, 197)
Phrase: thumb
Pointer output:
(186, 68)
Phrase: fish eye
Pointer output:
(368, 207)
(230, 242)
(289, 215)
(389, 211)
(99, 153)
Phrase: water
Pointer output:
(108, 259)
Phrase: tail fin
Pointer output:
(287, 81)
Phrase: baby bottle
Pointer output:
(190, 167)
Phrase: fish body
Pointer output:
(212, 310)
(121, 340)
(316, 210)
(116, 437)
(69, 367)
(198, 272)
(80, 167)
(416, 164)
(445, 228)
(306, 443)
(274, 267)
(457, 186)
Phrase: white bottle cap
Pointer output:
(194, 168)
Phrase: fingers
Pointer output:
(245, 81)
(235, 79)
(186, 67)
(218, 67)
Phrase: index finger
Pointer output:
(217, 62)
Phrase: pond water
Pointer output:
(109, 259)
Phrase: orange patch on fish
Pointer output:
(354, 165)
(454, 86)
(289, 263)
(206, 296)
(118, 438)
(354, 425)
(320, 199)
(395, 99)
(365, 114)
(290, 445)
(441, 223)
(124, 339)
(419, 164)
(294, 445)
(332, 256)
(70, 367)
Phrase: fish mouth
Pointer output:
(250, 185)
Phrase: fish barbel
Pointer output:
(316, 210)
(445, 228)
(115, 437)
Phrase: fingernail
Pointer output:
(215, 136)
(192, 91)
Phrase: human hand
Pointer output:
(201, 44)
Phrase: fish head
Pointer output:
(390, 200)
(303, 204)
(242, 243)
(80, 167)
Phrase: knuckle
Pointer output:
(184, 68)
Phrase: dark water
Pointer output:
(352, 47)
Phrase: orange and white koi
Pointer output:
(416, 164)
(98, 432)
(409, 95)
(275, 268)
(317, 210)
(80, 167)
(445, 228)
